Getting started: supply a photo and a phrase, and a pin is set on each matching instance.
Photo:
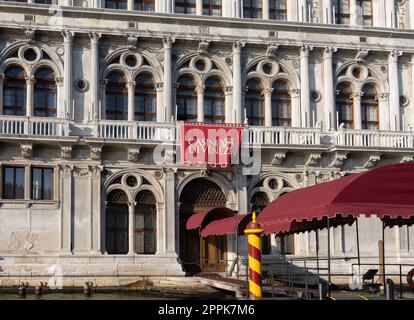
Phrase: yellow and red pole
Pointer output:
(254, 233)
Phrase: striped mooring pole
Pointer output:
(254, 233)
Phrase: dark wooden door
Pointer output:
(214, 254)
(117, 229)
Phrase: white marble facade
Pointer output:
(92, 154)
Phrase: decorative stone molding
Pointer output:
(312, 159)
(372, 160)
(95, 171)
(96, 151)
(132, 41)
(168, 42)
(339, 159)
(67, 35)
(29, 34)
(305, 49)
(66, 170)
(407, 158)
(81, 172)
(203, 47)
(200, 89)
(329, 51)
(133, 153)
(237, 45)
(271, 50)
(361, 55)
(66, 152)
(26, 150)
(278, 158)
(95, 36)
(205, 173)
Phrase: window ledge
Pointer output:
(21, 203)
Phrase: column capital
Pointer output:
(228, 90)
(159, 86)
(131, 84)
(237, 45)
(329, 51)
(357, 95)
(67, 36)
(95, 36)
(305, 49)
(200, 89)
(294, 93)
(382, 97)
(2, 76)
(168, 42)
(131, 203)
(59, 81)
(394, 54)
(104, 82)
(267, 92)
(30, 80)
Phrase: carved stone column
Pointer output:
(30, 81)
(131, 100)
(356, 97)
(267, 106)
(265, 8)
(199, 7)
(329, 90)
(353, 12)
(228, 96)
(167, 42)
(130, 5)
(302, 11)
(131, 232)
(159, 88)
(327, 7)
(304, 85)
(66, 209)
(170, 211)
(295, 102)
(95, 112)
(384, 115)
(200, 103)
(237, 90)
(394, 90)
(68, 76)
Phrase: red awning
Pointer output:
(226, 225)
(387, 192)
(200, 219)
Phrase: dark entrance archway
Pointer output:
(196, 254)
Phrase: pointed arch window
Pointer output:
(14, 92)
(186, 99)
(144, 5)
(45, 93)
(278, 10)
(252, 9)
(212, 7)
(185, 6)
(345, 105)
(369, 108)
(116, 97)
(281, 104)
(145, 98)
(214, 101)
(254, 103)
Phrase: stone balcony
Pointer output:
(110, 131)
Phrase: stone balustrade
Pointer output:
(36, 126)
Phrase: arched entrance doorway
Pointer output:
(196, 254)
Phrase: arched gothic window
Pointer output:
(116, 223)
(212, 7)
(144, 5)
(116, 97)
(186, 99)
(369, 108)
(45, 93)
(116, 4)
(254, 103)
(214, 101)
(145, 98)
(14, 92)
(278, 9)
(281, 104)
(345, 105)
(145, 223)
(252, 9)
(185, 6)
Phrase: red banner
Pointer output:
(210, 144)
